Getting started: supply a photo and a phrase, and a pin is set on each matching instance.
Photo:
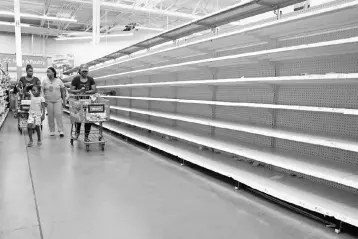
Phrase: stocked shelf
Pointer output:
(304, 193)
(3, 116)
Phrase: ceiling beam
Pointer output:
(153, 11)
(47, 7)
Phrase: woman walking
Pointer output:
(54, 92)
(26, 82)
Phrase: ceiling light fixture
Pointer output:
(13, 24)
(44, 17)
(150, 29)
(90, 37)
(149, 10)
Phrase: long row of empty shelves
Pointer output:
(314, 191)
(328, 48)
(326, 200)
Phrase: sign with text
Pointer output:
(35, 61)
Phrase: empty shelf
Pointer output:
(327, 48)
(337, 78)
(249, 105)
(307, 194)
(332, 171)
(333, 142)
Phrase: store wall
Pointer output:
(82, 50)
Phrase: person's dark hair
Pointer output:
(37, 87)
(53, 70)
(28, 67)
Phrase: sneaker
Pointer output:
(39, 143)
(61, 134)
(52, 133)
(87, 140)
(30, 144)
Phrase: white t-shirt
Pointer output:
(36, 104)
(52, 90)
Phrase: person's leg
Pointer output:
(51, 118)
(58, 115)
(30, 123)
(78, 129)
(38, 130)
(87, 129)
(31, 142)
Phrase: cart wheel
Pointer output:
(102, 147)
(20, 131)
(87, 147)
(100, 139)
(71, 141)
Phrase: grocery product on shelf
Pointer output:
(4, 95)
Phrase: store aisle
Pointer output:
(126, 192)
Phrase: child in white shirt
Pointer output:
(36, 114)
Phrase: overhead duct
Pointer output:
(155, 11)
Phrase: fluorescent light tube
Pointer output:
(90, 37)
(150, 29)
(44, 17)
(13, 24)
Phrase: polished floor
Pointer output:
(61, 192)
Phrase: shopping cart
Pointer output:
(22, 114)
(88, 109)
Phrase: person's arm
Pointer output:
(74, 86)
(63, 92)
(73, 90)
(93, 88)
(43, 106)
(19, 84)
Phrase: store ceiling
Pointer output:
(114, 18)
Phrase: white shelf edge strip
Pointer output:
(243, 55)
(259, 130)
(306, 78)
(296, 164)
(4, 117)
(244, 30)
(239, 174)
(249, 105)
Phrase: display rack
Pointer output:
(275, 100)
(4, 96)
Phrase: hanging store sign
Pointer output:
(35, 61)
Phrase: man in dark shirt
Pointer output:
(83, 85)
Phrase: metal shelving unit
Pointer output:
(3, 96)
(280, 94)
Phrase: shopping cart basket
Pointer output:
(88, 109)
(22, 115)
